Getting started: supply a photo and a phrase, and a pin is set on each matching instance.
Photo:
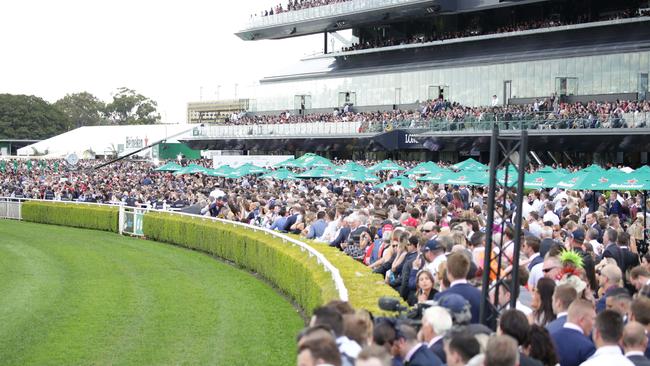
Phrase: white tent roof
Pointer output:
(104, 139)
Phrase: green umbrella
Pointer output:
(635, 181)
(192, 169)
(222, 171)
(317, 173)
(468, 178)
(169, 167)
(404, 182)
(593, 168)
(385, 165)
(436, 177)
(426, 167)
(643, 169)
(542, 180)
(289, 163)
(350, 167)
(546, 169)
(594, 180)
(470, 165)
(358, 176)
(319, 162)
(249, 168)
(280, 174)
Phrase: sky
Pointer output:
(173, 52)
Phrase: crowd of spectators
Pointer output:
(476, 30)
(582, 270)
(297, 5)
(547, 113)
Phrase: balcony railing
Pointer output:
(323, 11)
(531, 121)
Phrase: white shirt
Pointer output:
(608, 356)
(535, 273)
(330, 231)
(433, 266)
(348, 346)
(552, 217)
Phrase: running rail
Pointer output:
(8, 203)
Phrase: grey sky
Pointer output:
(165, 50)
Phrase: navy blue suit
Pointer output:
(438, 349)
(343, 236)
(556, 324)
(470, 293)
(424, 357)
(573, 347)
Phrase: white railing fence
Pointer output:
(131, 220)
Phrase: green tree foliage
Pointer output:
(29, 117)
(131, 108)
(82, 109)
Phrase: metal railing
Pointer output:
(10, 208)
(280, 129)
(484, 122)
(323, 11)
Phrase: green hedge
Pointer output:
(364, 287)
(283, 264)
(72, 214)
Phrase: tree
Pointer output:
(29, 117)
(82, 109)
(131, 108)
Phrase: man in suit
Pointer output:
(609, 278)
(640, 313)
(630, 259)
(436, 321)
(577, 241)
(530, 247)
(413, 352)
(635, 343)
(457, 269)
(343, 233)
(614, 206)
(515, 324)
(608, 331)
(572, 342)
(592, 222)
(563, 296)
(612, 250)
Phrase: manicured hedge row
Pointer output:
(283, 264)
(72, 214)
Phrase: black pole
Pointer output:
(325, 42)
(490, 223)
(523, 147)
(645, 221)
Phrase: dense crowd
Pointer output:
(297, 5)
(547, 113)
(475, 30)
(583, 280)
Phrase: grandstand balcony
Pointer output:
(331, 17)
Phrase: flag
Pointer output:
(2, 166)
(56, 166)
(29, 165)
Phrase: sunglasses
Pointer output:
(394, 245)
(427, 231)
(547, 270)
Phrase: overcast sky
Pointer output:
(166, 50)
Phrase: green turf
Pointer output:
(82, 297)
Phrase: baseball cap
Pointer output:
(428, 226)
(431, 245)
(578, 235)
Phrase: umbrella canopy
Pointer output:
(592, 168)
(317, 173)
(350, 167)
(542, 180)
(547, 169)
(426, 167)
(319, 162)
(192, 169)
(249, 168)
(169, 167)
(403, 181)
(594, 180)
(635, 181)
(289, 163)
(280, 174)
(221, 171)
(470, 165)
(437, 177)
(643, 169)
(358, 176)
(385, 165)
(468, 178)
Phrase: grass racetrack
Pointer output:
(83, 297)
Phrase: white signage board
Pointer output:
(238, 160)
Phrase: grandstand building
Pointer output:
(400, 53)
